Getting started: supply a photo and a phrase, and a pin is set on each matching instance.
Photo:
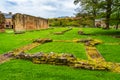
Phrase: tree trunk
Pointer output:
(94, 11)
(94, 23)
(107, 22)
(108, 13)
(118, 19)
(94, 17)
(117, 26)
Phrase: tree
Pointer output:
(90, 7)
(108, 12)
(116, 11)
(101, 9)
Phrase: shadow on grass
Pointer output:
(114, 33)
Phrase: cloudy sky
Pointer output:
(42, 8)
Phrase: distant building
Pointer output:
(2, 23)
(8, 20)
(23, 22)
(100, 22)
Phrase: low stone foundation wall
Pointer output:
(61, 59)
(62, 32)
(95, 61)
(52, 58)
(42, 40)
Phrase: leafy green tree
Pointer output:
(89, 7)
(108, 12)
(116, 12)
(100, 9)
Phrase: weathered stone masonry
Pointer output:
(23, 22)
(2, 23)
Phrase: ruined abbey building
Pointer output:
(2, 22)
(21, 22)
(8, 20)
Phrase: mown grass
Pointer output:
(61, 47)
(25, 70)
(10, 41)
(109, 52)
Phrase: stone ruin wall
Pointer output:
(23, 22)
(100, 23)
(2, 23)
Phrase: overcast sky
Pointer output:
(42, 8)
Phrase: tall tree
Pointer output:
(116, 11)
(98, 7)
(89, 6)
(108, 12)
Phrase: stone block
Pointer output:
(80, 32)
(43, 40)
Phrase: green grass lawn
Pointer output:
(109, 52)
(25, 70)
(61, 47)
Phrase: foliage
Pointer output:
(76, 21)
(116, 12)
(101, 9)
(89, 7)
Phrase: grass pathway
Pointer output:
(93, 54)
(25, 48)
(5, 58)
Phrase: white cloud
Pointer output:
(43, 8)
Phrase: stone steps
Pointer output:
(25, 48)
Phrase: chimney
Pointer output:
(10, 13)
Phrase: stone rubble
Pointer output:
(62, 32)
(60, 59)
(42, 40)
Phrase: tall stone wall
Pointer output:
(23, 22)
(2, 23)
(8, 23)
